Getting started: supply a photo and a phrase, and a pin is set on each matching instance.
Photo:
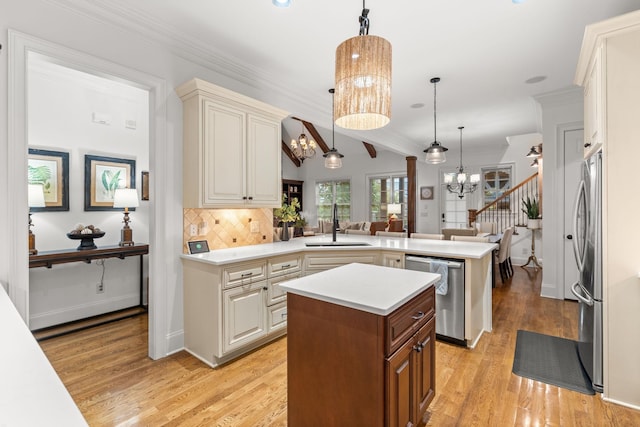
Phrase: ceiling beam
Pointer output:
(290, 154)
(314, 134)
(370, 149)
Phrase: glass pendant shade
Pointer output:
(363, 83)
(333, 159)
(436, 153)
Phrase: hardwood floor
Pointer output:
(108, 373)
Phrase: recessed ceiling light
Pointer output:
(281, 3)
(536, 79)
(518, 1)
(417, 105)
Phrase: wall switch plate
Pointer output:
(254, 226)
(193, 230)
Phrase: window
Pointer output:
(384, 190)
(330, 192)
(496, 181)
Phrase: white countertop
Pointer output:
(371, 288)
(442, 248)
(31, 393)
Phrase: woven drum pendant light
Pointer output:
(363, 80)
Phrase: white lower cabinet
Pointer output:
(393, 259)
(277, 317)
(244, 315)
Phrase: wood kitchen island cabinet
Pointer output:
(361, 347)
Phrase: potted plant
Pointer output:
(287, 214)
(532, 210)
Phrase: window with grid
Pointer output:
(495, 182)
(330, 192)
(384, 190)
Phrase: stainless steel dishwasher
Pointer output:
(449, 307)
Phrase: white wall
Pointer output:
(61, 103)
(558, 109)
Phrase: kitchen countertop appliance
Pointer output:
(450, 305)
(587, 246)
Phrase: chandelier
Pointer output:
(461, 182)
(302, 147)
(363, 80)
(333, 158)
(435, 152)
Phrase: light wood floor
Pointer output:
(109, 375)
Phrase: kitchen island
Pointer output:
(360, 346)
(233, 301)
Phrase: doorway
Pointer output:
(20, 47)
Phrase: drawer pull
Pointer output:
(247, 274)
(418, 316)
(285, 266)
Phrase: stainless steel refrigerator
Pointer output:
(587, 245)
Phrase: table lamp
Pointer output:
(393, 209)
(35, 200)
(126, 198)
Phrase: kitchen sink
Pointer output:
(337, 244)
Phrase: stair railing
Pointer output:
(506, 210)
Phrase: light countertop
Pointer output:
(31, 393)
(442, 248)
(371, 288)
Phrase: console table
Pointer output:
(49, 258)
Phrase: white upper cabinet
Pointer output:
(594, 107)
(231, 148)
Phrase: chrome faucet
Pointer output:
(336, 225)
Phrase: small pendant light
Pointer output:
(333, 158)
(435, 152)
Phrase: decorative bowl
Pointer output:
(86, 239)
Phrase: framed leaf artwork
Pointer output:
(51, 170)
(102, 176)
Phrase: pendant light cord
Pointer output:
(435, 139)
(461, 127)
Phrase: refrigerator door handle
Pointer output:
(576, 249)
(578, 294)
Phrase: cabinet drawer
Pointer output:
(405, 321)
(243, 274)
(284, 265)
(322, 262)
(276, 317)
(275, 293)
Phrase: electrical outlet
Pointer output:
(255, 226)
(99, 288)
(193, 230)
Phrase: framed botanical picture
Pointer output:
(51, 170)
(426, 193)
(102, 176)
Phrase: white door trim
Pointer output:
(20, 45)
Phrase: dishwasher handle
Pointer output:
(426, 260)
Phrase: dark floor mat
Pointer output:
(551, 360)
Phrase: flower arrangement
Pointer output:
(287, 213)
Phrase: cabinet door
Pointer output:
(594, 106)
(425, 364)
(244, 315)
(400, 379)
(223, 150)
(263, 162)
(276, 317)
(391, 259)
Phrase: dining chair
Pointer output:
(390, 234)
(487, 227)
(480, 239)
(361, 232)
(503, 254)
(427, 236)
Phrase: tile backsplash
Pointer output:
(228, 228)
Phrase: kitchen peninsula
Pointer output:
(233, 301)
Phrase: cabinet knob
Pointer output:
(264, 288)
(250, 197)
(587, 144)
(418, 347)
(244, 197)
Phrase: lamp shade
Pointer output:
(125, 198)
(36, 196)
(394, 208)
(363, 83)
